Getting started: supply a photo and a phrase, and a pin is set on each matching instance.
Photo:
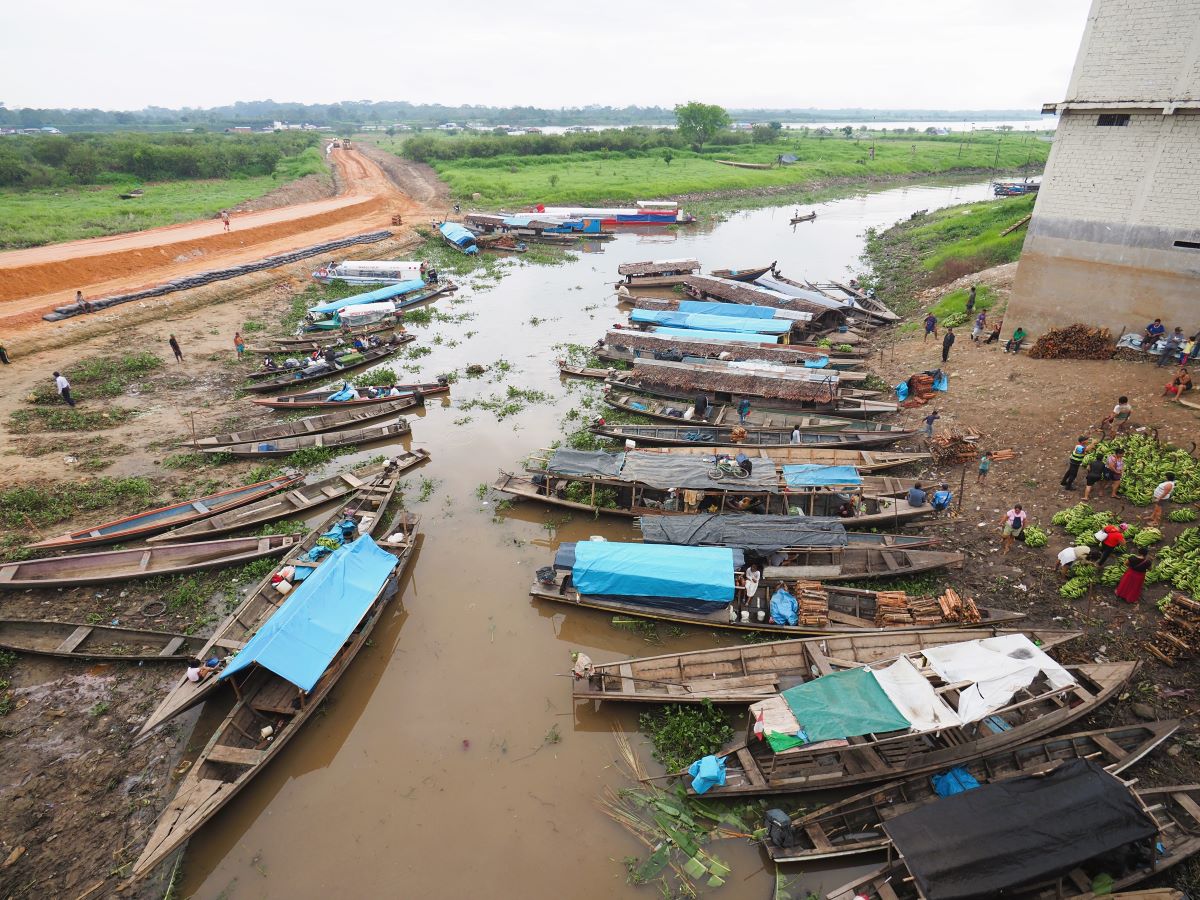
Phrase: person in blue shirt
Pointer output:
(1153, 332)
(941, 499)
(743, 410)
(916, 495)
(1073, 463)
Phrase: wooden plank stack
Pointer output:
(956, 608)
(1178, 637)
(814, 603)
(957, 447)
(920, 391)
(926, 611)
(891, 610)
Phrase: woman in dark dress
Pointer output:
(1134, 579)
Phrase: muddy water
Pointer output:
(432, 770)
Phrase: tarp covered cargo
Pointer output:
(696, 578)
(700, 344)
(703, 287)
(719, 337)
(459, 236)
(843, 704)
(301, 639)
(660, 470)
(1017, 831)
(701, 322)
(384, 293)
(717, 308)
(599, 463)
(763, 534)
(658, 267)
(798, 475)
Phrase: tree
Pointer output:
(668, 155)
(699, 122)
(762, 134)
(847, 131)
(775, 126)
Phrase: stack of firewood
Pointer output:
(1178, 637)
(1001, 455)
(1074, 342)
(814, 603)
(891, 609)
(956, 447)
(920, 391)
(956, 608)
(926, 611)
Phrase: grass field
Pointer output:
(631, 175)
(29, 218)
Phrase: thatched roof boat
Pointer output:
(320, 399)
(754, 437)
(665, 272)
(368, 434)
(164, 517)
(742, 274)
(296, 378)
(746, 673)
(310, 424)
(856, 825)
(139, 562)
(366, 508)
(72, 640)
(824, 315)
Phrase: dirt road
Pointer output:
(34, 280)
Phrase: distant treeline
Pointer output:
(60, 160)
(351, 113)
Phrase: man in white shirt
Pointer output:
(796, 439)
(1162, 494)
(64, 388)
(1069, 557)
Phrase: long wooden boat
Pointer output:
(368, 434)
(320, 399)
(145, 524)
(725, 414)
(756, 437)
(742, 274)
(291, 380)
(629, 499)
(863, 460)
(269, 711)
(295, 503)
(139, 562)
(283, 346)
(278, 371)
(565, 368)
(366, 507)
(73, 640)
(844, 404)
(751, 767)
(855, 825)
(795, 220)
(851, 611)
(746, 673)
(1174, 809)
(334, 421)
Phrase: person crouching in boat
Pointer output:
(199, 670)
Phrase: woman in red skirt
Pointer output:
(1134, 579)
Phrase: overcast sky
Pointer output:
(931, 54)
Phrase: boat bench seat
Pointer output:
(77, 637)
(237, 756)
(200, 507)
(172, 645)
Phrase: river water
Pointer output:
(431, 771)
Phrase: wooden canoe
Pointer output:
(139, 562)
(766, 412)
(722, 436)
(298, 502)
(807, 217)
(329, 439)
(851, 611)
(316, 341)
(263, 374)
(752, 768)
(320, 399)
(855, 825)
(631, 500)
(73, 640)
(145, 524)
(1176, 810)
(367, 506)
(725, 415)
(742, 274)
(746, 673)
(583, 371)
(235, 753)
(863, 460)
(289, 380)
(334, 421)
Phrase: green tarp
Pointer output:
(843, 704)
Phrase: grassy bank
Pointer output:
(32, 217)
(591, 177)
(936, 248)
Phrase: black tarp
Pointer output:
(586, 462)
(662, 471)
(764, 534)
(1017, 832)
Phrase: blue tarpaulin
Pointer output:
(784, 608)
(955, 781)
(459, 236)
(721, 337)
(707, 772)
(820, 362)
(701, 322)
(384, 293)
(654, 570)
(736, 310)
(810, 475)
(300, 641)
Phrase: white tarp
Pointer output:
(999, 666)
(915, 697)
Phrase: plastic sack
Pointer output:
(902, 391)
(956, 781)
(784, 608)
(707, 773)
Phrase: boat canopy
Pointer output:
(844, 704)
(790, 290)
(384, 293)
(616, 569)
(373, 312)
(301, 639)
(746, 531)
(813, 475)
(717, 337)
(398, 266)
(1018, 831)
(661, 470)
(461, 237)
(717, 308)
(700, 322)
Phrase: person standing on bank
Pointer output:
(175, 348)
(930, 327)
(947, 342)
(971, 300)
(239, 344)
(1134, 579)
(64, 388)
(3, 355)
(1013, 524)
(1073, 464)
(929, 420)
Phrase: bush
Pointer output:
(683, 734)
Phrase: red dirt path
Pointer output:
(35, 280)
